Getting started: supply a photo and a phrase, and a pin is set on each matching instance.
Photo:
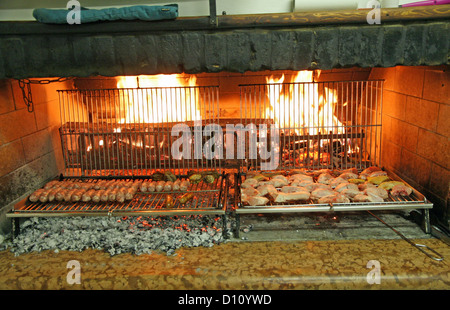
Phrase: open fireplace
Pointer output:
(128, 102)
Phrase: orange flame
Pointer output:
(159, 98)
(305, 108)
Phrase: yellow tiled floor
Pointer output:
(237, 265)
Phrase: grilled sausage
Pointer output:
(68, 194)
(120, 196)
(184, 185)
(176, 185)
(104, 196)
(52, 194)
(151, 187)
(144, 187)
(160, 186)
(34, 197)
(112, 194)
(51, 184)
(185, 198)
(129, 194)
(96, 196)
(43, 197)
(169, 202)
(76, 195)
(87, 196)
(168, 186)
(59, 196)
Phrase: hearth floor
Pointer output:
(271, 265)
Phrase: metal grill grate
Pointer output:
(128, 131)
(320, 124)
(208, 198)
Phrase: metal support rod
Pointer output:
(213, 13)
(421, 247)
(426, 221)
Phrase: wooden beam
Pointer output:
(296, 19)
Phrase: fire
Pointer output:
(301, 106)
(159, 98)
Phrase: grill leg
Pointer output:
(224, 223)
(15, 227)
(426, 221)
(238, 225)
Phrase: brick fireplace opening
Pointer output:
(410, 55)
(415, 130)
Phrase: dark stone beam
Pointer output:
(238, 50)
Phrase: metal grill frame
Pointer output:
(209, 198)
(360, 117)
(86, 121)
(255, 100)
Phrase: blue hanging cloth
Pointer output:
(137, 12)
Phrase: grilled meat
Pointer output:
(401, 190)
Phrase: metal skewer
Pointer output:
(420, 247)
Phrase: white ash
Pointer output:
(116, 235)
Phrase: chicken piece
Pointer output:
(367, 198)
(334, 198)
(356, 181)
(366, 172)
(337, 181)
(401, 190)
(365, 185)
(388, 185)
(380, 192)
(257, 177)
(378, 179)
(254, 200)
(317, 173)
(293, 189)
(300, 178)
(347, 185)
(249, 183)
(348, 175)
(278, 182)
(314, 186)
(377, 174)
(266, 189)
(320, 192)
(282, 177)
(325, 178)
(286, 197)
(350, 192)
(350, 170)
(250, 191)
(304, 183)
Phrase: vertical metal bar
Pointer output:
(213, 13)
